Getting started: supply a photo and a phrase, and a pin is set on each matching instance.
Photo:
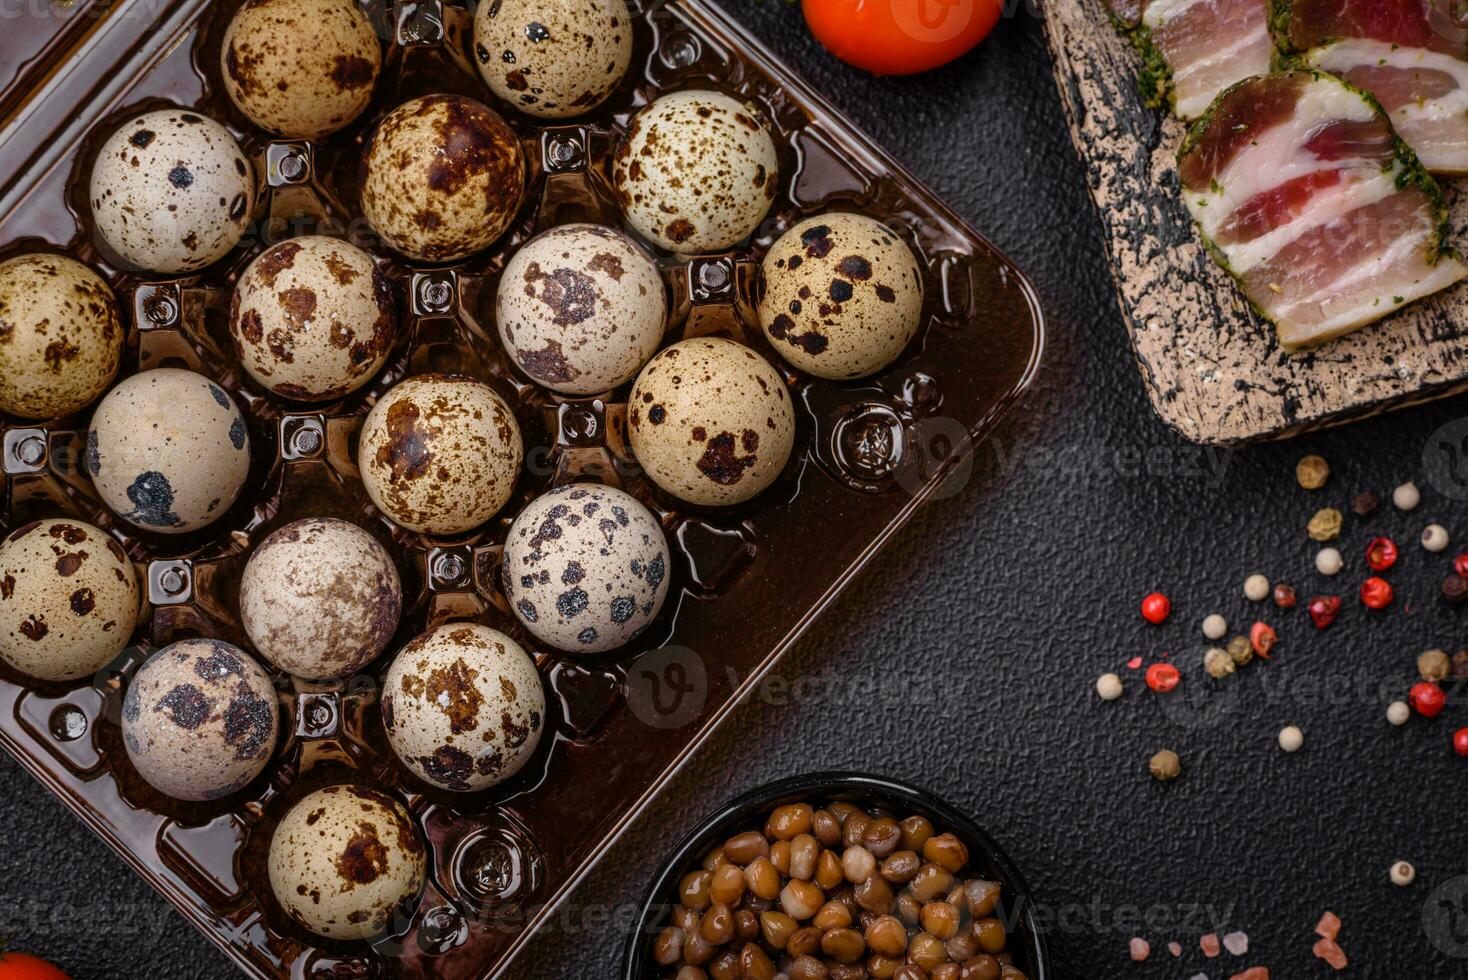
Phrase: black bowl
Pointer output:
(748, 812)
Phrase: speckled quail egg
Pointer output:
(843, 295)
(440, 453)
(586, 567)
(580, 308)
(711, 421)
(168, 450)
(200, 720)
(463, 707)
(300, 68)
(312, 318)
(320, 598)
(68, 599)
(344, 860)
(443, 177)
(60, 336)
(696, 171)
(553, 60)
(171, 191)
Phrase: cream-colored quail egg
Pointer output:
(320, 598)
(200, 720)
(580, 308)
(443, 178)
(463, 707)
(60, 336)
(711, 421)
(68, 599)
(553, 60)
(312, 318)
(345, 861)
(300, 68)
(439, 454)
(171, 191)
(586, 567)
(843, 295)
(696, 171)
(168, 450)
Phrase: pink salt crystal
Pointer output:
(1252, 973)
(1236, 943)
(1176, 949)
(1327, 950)
(1329, 927)
(1210, 945)
(1141, 949)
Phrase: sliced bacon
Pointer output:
(1436, 25)
(1298, 181)
(1208, 45)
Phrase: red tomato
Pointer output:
(19, 966)
(900, 37)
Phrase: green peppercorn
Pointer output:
(1241, 650)
(1433, 665)
(1311, 472)
(1218, 663)
(1165, 766)
(1325, 525)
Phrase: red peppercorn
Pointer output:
(1381, 554)
(1460, 564)
(1324, 609)
(1460, 742)
(1163, 677)
(1284, 596)
(1427, 698)
(1156, 608)
(1262, 638)
(1376, 593)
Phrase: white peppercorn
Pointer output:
(1214, 626)
(1291, 738)
(1329, 562)
(1256, 588)
(1403, 874)
(1435, 537)
(1398, 713)
(1109, 687)
(1406, 496)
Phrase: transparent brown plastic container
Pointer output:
(745, 580)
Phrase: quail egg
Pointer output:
(200, 720)
(300, 68)
(60, 336)
(696, 171)
(312, 318)
(171, 191)
(439, 453)
(168, 450)
(586, 567)
(580, 308)
(68, 599)
(463, 707)
(711, 421)
(320, 598)
(843, 295)
(443, 178)
(344, 860)
(553, 60)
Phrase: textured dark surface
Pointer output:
(964, 659)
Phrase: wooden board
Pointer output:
(1212, 367)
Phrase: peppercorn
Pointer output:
(1108, 686)
(1403, 874)
(1433, 665)
(1218, 663)
(1163, 677)
(1311, 472)
(1329, 562)
(1165, 766)
(1256, 587)
(1284, 596)
(1460, 664)
(1398, 713)
(1291, 738)
(1376, 593)
(1435, 537)
(1455, 588)
(1155, 608)
(1381, 554)
(1262, 639)
(1240, 650)
(1427, 699)
(1460, 742)
(1364, 504)
(1460, 564)
(1325, 525)
(1214, 626)
(1406, 496)
(1324, 609)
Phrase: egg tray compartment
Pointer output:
(745, 581)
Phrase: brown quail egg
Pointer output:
(711, 421)
(168, 450)
(443, 178)
(171, 191)
(463, 707)
(60, 336)
(345, 861)
(312, 318)
(200, 720)
(439, 454)
(843, 295)
(553, 60)
(586, 567)
(300, 68)
(68, 599)
(696, 171)
(580, 308)
(320, 598)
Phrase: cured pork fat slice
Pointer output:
(1304, 193)
(1409, 54)
(1195, 49)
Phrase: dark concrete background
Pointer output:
(995, 611)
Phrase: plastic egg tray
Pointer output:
(745, 580)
